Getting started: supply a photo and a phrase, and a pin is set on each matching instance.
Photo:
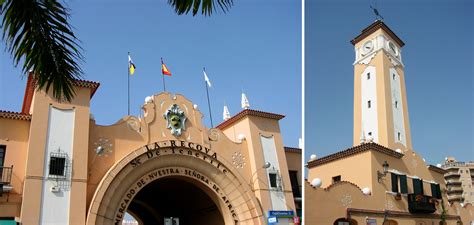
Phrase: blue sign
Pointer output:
(281, 214)
(272, 220)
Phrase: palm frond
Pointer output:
(38, 32)
(207, 6)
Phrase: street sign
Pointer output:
(272, 220)
(281, 214)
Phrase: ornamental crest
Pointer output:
(175, 119)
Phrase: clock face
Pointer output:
(392, 48)
(367, 47)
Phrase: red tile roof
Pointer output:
(30, 90)
(374, 27)
(249, 112)
(14, 115)
(290, 149)
(353, 151)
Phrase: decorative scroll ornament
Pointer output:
(213, 134)
(176, 120)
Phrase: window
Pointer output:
(394, 182)
(370, 133)
(368, 76)
(399, 136)
(2, 159)
(273, 180)
(418, 187)
(393, 76)
(435, 191)
(336, 179)
(403, 184)
(57, 165)
(396, 104)
(294, 183)
(368, 104)
(2, 155)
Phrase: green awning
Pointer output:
(7, 222)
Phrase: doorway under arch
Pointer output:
(344, 221)
(174, 200)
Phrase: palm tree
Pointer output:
(38, 35)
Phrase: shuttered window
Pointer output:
(435, 191)
(417, 187)
(394, 182)
(403, 184)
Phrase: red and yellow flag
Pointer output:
(164, 69)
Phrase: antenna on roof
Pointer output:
(376, 12)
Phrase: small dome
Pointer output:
(366, 191)
(313, 157)
(316, 182)
(195, 106)
(149, 99)
(240, 137)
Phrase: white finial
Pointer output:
(362, 134)
(245, 102)
(226, 114)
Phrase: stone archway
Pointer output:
(160, 160)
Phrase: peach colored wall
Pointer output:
(252, 127)
(14, 135)
(293, 161)
(31, 204)
(356, 169)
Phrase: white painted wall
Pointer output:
(270, 155)
(55, 206)
(398, 124)
(369, 93)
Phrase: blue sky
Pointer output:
(438, 58)
(252, 47)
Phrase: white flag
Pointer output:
(226, 114)
(206, 79)
(245, 102)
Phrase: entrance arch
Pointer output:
(190, 162)
(175, 198)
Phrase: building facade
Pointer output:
(165, 167)
(381, 179)
(459, 180)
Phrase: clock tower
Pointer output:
(380, 103)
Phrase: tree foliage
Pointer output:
(38, 35)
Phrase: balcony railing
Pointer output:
(6, 175)
(453, 182)
(451, 174)
(455, 190)
(421, 204)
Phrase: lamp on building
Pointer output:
(265, 166)
(380, 175)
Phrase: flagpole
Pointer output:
(128, 83)
(208, 101)
(163, 76)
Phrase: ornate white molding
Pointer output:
(380, 42)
